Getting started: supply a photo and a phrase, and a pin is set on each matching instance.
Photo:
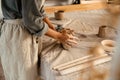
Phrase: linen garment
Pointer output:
(19, 52)
(31, 12)
(20, 31)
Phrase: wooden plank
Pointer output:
(80, 7)
(81, 62)
(85, 65)
(78, 61)
(71, 62)
(93, 1)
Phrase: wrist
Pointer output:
(58, 36)
(53, 34)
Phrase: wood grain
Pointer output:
(85, 65)
(81, 7)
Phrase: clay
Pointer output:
(102, 31)
(70, 42)
(59, 15)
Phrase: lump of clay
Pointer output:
(70, 42)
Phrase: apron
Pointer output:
(18, 51)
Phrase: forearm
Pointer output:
(53, 34)
(46, 20)
(56, 35)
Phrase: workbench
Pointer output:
(85, 22)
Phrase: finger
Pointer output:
(72, 41)
(66, 46)
(73, 37)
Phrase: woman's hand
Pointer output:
(62, 37)
(57, 35)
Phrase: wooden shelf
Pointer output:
(68, 8)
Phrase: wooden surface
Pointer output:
(67, 8)
(83, 22)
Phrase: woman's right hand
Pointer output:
(56, 35)
(68, 40)
(62, 37)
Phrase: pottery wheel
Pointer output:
(63, 22)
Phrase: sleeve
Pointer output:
(32, 18)
(42, 11)
(40, 7)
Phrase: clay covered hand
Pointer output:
(71, 41)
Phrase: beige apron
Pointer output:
(18, 51)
